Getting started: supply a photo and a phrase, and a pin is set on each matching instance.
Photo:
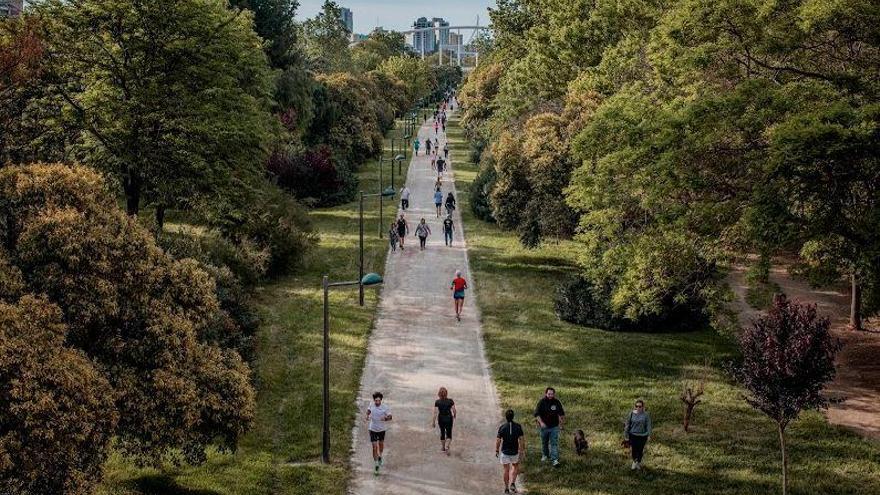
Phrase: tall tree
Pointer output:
(172, 98)
(326, 39)
(274, 21)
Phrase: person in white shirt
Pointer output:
(404, 198)
(377, 417)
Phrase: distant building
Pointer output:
(345, 16)
(11, 8)
(456, 39)
(357, 38)
(441, 33)
(426, 41)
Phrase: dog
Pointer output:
(580, 442)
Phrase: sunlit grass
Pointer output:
(731, 450)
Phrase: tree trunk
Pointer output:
(855, 309)
(132, 195)
(784, 460)
(160, 218)
(688, 410)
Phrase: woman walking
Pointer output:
(402, 230)
(416, 144)
(393, 236)
(438, 200)
(444, 416)
(422, 232)
(450, 203)
(637, 432)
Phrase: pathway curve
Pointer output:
(416, 347)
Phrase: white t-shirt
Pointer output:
(404, 193)
(377, 417)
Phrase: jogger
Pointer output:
(458, 286)
(377, 415)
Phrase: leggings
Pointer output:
(422, 241)
(638, 446)
(445, 427)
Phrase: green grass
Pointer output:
(281, 455)
(731, 449)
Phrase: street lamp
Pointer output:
(369, 279)
(400, 158)
(388, 192)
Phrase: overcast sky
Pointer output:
(400, 14)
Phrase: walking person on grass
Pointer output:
(444, 415)
(637, 432)
(550, 418)
(378, 415)
(510, 443)
(422, 232)
(448, 229)
(402, 230)
(458, 286)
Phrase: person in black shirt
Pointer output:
(511, 444)
(550, 417)
(444, 415)
(448, 228)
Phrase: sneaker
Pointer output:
(507, 490)
(376, 469)
(635, 466)
(543, 458)
(512, 488)
(555, 462)
(380, 460)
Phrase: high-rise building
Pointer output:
(11, 8)
(425, 41)
(441, 33)
(455, 39)
(345, 16)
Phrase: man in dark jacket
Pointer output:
(550, 417)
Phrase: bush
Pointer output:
(583, 302)
(141, 316)
(313, 176)
(56, 407)
(480, 189)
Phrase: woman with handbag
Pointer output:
(637, 432)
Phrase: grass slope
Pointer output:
(281, 455)
(731, 450)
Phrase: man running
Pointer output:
(511, 444)
(448, 229)
(458, 286)
(377, 415)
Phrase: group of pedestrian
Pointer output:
(510, 445)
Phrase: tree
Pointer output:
(172, 99)
(275, 22)
(56, 407)
(379, 46)
(144, 319)
(416, 75)
(787, 358)
(326, 40)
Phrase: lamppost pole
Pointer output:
(361, 262)
(381, 198)
(325, 436)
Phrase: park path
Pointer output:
(418, 346)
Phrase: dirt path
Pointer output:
(418, 346)
(858, 365)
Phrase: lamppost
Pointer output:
(385, 193)
(368, 280)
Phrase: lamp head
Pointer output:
(371, 279)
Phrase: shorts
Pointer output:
(509, 459)
(377, 436)
(459, 294)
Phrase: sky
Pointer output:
(400, 14)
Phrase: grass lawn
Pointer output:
(281, 455)
(731, 449)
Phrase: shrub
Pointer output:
(583, 302)
(56, 407)
(479, 193)
(313, 176)
(141, 316)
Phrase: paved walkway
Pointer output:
(416, 347)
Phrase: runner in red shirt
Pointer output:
(458, 287)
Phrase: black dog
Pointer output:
(580, 442)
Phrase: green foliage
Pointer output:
(326, 40)
(143, 318)
(274, 21)
(379, 46)
(56, 405)
(480, 189)
(416, 75)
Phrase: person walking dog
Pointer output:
(637, 432)
(550, 417)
